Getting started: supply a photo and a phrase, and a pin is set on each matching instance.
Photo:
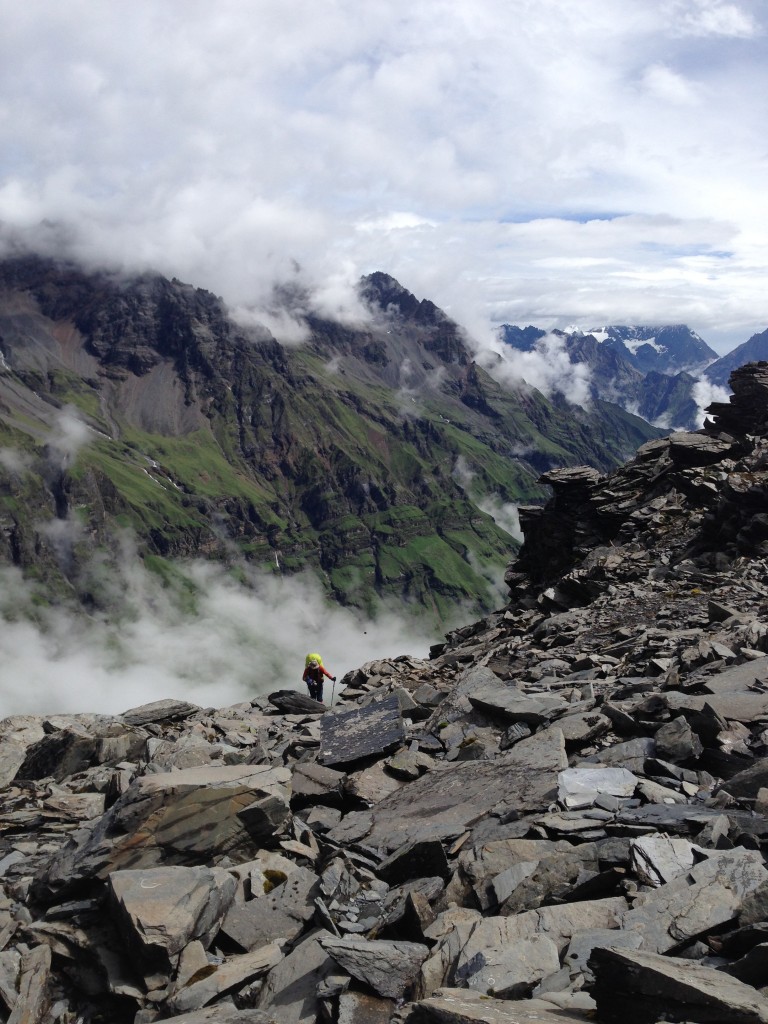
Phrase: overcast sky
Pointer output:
(553, 162)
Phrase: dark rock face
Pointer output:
(605, 863)
(337, 456)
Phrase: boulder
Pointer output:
(164, 909)
(637, 987)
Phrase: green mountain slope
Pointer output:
(364, 454)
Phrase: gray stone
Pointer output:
(164, 909)
(636, 987)
(314, 783)
(292, 702)
(289, 994)
(361, 1008)
(281, 913)
(576, 958)
(579, 787)
(583, 728)
(509, 972)
(159, 711)
(34, 995)
(469, 938)
(197, 814)
(390, 968)
(463, 1006)
(515, 706)
(444, 801)
(677, 742)
(348, 736)
(658, 859)
(747, 784)
(706, 898)
(221, 979)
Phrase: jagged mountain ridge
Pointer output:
(752, 351)
(339, 455)
(561, 815)
(650, 371)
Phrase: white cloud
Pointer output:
(496, 157)
(704, 394)
(546, 367)
(237, 643)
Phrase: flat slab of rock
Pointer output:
(448, 799)
(463, 1006)
(697, 902)
(235, 972)
(292, 702)
(279, 914)
(348, 736)
(192, 816)
(634, 987)
(580, 787)
(289, 994)
(514, 706)
(163, 909)
(390, 968)
(159, 711)
(738, 707)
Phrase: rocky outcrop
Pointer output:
(561, 815)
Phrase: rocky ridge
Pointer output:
(559, 816)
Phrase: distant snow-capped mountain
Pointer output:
(672, 348)
(650, 371)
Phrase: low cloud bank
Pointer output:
(547, 367)
(208, 639)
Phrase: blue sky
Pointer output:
(471, 149)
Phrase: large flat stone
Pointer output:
(635, 987)
(390, 968)
(696, 902)
(348, 736)
(163, 909)
(448, 799)
(463, 1006)
(184, 817)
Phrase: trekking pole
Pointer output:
(333, 690)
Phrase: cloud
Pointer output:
(211, 640)
(504, 513)
(68, 435)
(465, 149)
(546, 367)
(704, 394)
(14, 461)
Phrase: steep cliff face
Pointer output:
(364, 454)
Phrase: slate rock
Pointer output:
(390, 968)
(445, 800)
(361, 1008)
(159, 711)
(580, 787)
(221, 979)
(192, 816)
(279, 914)
(292, 702)
(509, 971)
(463, 1006)
(348, 736)
(163, 909)
(677, 742)
(637, 987)
(701, 900)
(289, 994)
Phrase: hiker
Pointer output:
(313, 676)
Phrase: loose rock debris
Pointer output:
(559, 816)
